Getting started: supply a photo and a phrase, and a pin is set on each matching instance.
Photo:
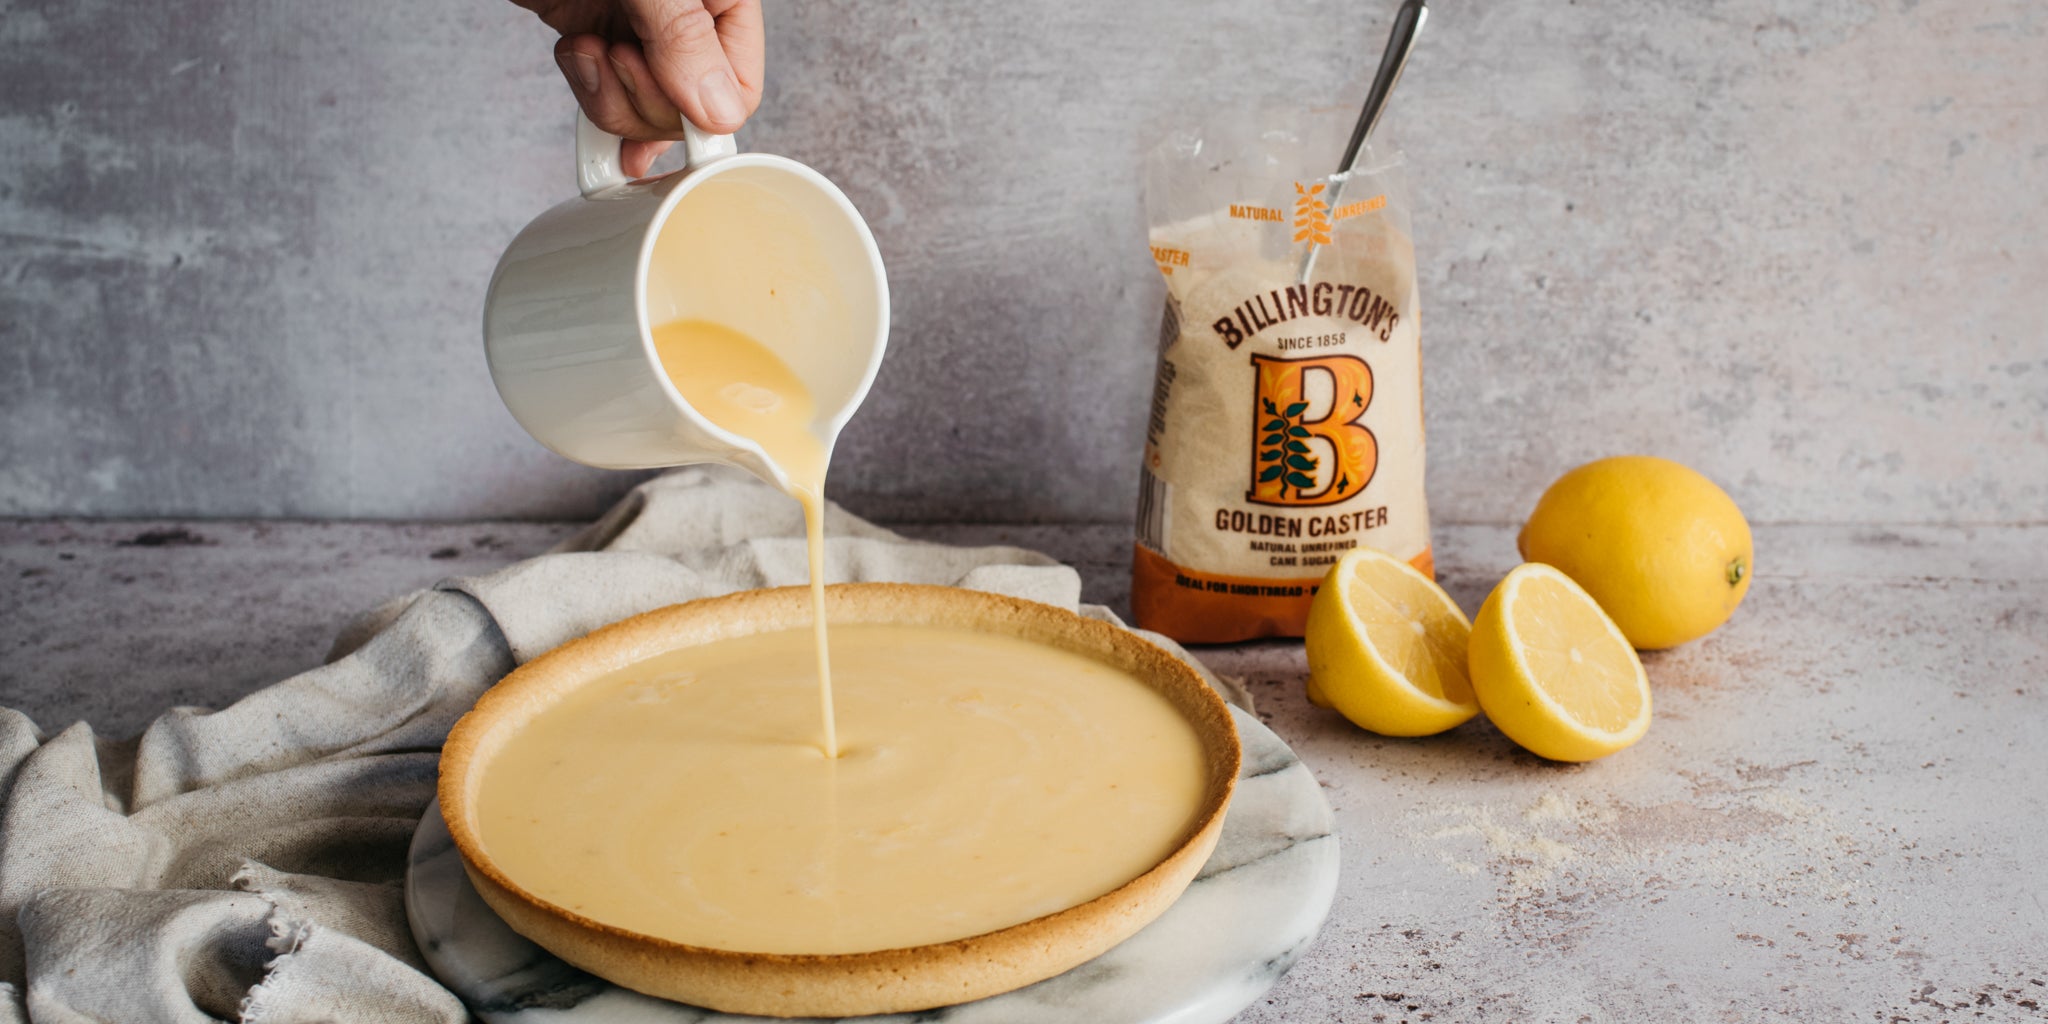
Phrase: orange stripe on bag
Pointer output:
(1207, 608)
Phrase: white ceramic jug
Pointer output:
(755, 242)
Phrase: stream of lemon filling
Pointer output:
(982, 781)
(738, 384)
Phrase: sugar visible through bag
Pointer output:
(1286, 418)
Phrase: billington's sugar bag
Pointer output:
(1286, 422)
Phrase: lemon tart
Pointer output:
(1016, 789)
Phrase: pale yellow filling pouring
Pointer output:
(983, 781)
(738, 384)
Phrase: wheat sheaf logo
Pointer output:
(1311, 214)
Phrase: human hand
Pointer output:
(638, 67)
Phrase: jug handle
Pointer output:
(598, 166)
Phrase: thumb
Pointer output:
(705, 55)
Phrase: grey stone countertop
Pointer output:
(1840, 811)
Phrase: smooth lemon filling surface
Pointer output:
(983, 781)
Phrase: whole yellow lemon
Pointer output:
(1665, 551)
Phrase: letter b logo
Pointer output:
(1308, 447)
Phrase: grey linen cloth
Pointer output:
(247, 863)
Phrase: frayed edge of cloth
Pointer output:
(287, 935)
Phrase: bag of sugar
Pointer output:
(1286, 420)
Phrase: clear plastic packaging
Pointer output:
(1286, 420)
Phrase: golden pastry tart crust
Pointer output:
(840, 984)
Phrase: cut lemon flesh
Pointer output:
(1387, 648)
(1553, 671)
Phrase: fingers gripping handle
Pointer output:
(598, 162)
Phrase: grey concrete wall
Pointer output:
(1800, 245)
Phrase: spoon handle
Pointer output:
(1407, 25)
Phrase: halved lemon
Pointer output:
(1386, 648)
(1553, 671)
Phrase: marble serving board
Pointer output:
(1253, 910)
